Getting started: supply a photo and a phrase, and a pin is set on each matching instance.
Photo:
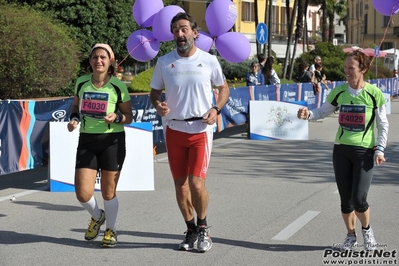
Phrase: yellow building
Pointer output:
(245, 22)
(366, 27)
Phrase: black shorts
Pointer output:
(101, 151)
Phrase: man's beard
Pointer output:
(185, 48)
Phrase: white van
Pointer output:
(391, 60)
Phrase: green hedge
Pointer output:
(38, 57)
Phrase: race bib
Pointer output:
(94, 104)
(352, 117)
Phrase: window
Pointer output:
(385, 21)
(248, 11)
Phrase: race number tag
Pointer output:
(94, 104)
(352, 117)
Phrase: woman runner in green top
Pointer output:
(101, 106)
(356, 149)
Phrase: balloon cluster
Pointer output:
(386, 7)
(220, 16)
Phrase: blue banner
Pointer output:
(24, 132)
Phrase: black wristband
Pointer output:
(74, 116)
(217, 109)
(119, 117)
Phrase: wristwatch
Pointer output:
(218, 110)
(118, 118)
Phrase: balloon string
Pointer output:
(385, 33)
(142, 42)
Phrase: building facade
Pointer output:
(367, 27)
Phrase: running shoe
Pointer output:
(94, 227)
(204, 239)
(189, 241)
(369, 241)
(350, 242)
(110, 239)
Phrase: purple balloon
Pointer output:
(220, 16)
(233, 46)
(144, 11)
(142, 46)
(204, 41)
(386, 7)
(161, 24)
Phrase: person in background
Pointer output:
(317, 59)
(395, 73)
(101, 106)
(261, 61)
(356, 148)
(319, 76)
(271, 77)
(254, 77)
(304, 75)
(188, 116)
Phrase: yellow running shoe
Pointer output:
(110, 239)
(94, 227)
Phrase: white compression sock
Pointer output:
(111, 208)
(92, 207)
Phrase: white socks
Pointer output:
(92, 207)
(111, 211)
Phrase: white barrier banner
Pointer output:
(272, 120)
(387, 97)
(138, 169)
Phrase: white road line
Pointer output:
(336, 191)
(294, 227)
(23, 193)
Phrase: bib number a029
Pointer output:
(352, 117)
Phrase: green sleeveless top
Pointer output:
(95, 103)
(357, 114)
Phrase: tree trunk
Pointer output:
(286, 60)
(298, 32)
(269, 38)
(324, 26)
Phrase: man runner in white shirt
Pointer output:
(188, 116)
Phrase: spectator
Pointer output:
(261, 61)
(254, 77)
(270, 76)
(321, 78)
(304, 75)
(317, 59)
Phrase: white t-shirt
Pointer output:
(188, 88)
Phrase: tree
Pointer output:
(298, 31)
(38, 56)
(338, 7)
(94, 21)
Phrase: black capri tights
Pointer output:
(353, 167)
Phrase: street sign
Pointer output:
(377, 51)
(261, 33)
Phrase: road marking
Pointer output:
(294, 227)
(23, 193)
(396, 148)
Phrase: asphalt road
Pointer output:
(271, 203)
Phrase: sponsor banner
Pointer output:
(273, 120)
(24, 125)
